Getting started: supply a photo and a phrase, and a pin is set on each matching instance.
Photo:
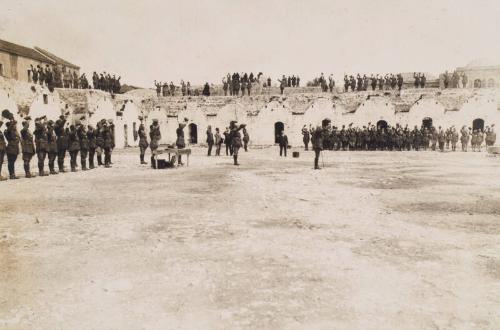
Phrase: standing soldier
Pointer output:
(246, 139)
(317, 144)
(143, 142)
(441, 139)
(235, 140)
(84, 145)
(3, 146)
(464, 138)
(282, 84)
(41, 143)
(180, 142)
(107, 136)
(100, 142)
(51, 146)
(28, 147)
(111, 127)
(306, 137)
(490, 136)
(62, 141)
(218, 141)
(73, 146)
(12, 137)
(224, 86)
(283, 143)
(155, 137)
(454, 138)
(91, 137)
(210, 140)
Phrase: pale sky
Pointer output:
(143, 40)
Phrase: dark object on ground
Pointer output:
(295, 154)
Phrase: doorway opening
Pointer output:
(125, 132)
(193, 133)
(381, 124)
(427, 122)
(477, 83)
(278, 128)
(478, 124)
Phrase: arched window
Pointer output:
(193, 133)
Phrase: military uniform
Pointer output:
(62, 142)
(235, 141)
(51, 146)
(12, 149)
(3, 146)
(306, 137)
(454, 139)
(107, 137)
(210, 140)
(246, 139)
(317, 144)
(283, 143)
(73, 147)
(91, 137)
(84, 146)
(441, 139)
(180, 142)
(143, 142)
(464, 138)
(41, 146)
(28, 148)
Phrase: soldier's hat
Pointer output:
(155, 120)
(50, 122)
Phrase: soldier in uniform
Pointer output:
(210, 140)
(28, 147)
(41, 142)
(108, 143)
(3, 146)
(73, 146)
(317, 144)
(154, 137)
(218, 141)
(51, 146)
(62, 141)
(246, 139)
(99, 142)
(306, 137)
(84, 146)
(180, 142)
(454, 138)
(143, 142)
(490, 136)
(91, 137)
(441, 139)
(235, 140)
(12, 149)
(283, 143)
(111, 127)
(464, 138)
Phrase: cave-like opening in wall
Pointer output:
(278, 128)
(477, 83)
(381, 124)
(427, 122)
(193, 133)
(478, 124)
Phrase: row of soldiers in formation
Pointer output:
(52, 140)
(361, 83)
(57, 77)
(400, 138)
(106, 82)
(455, 80)
(235, 82)
(164, 89)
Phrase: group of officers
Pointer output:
(398, 138)
(361, 83)
(52, 140)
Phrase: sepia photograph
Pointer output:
(264, 164)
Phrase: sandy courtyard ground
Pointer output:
(377, 240)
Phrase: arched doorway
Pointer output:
(278, 128)
(477, 83)
(478, 124)
(491, 83)
(381, 124)
(193, 133)
(427, 122)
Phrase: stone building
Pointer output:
(16, 61)
(481, 74)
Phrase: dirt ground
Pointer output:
(376, 240)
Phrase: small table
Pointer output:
(176, 152)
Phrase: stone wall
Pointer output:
(261, 112)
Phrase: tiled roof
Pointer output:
(56, 59)
(30, 53)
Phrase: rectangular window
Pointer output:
(45, 99)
